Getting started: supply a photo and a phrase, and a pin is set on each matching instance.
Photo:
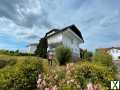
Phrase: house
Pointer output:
(113, 51)
(31, 48)
(69, 37)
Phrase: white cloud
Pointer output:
(8, 27)
(28, 20)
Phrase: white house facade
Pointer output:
(31, 48)
(115, 53)
(69, 37)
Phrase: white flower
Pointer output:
(68, 82)
(72, 80)
(40, 76)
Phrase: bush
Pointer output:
(63, 55)
(21, 76)
(11, 62)
(3, 63)
(86, 55)
(102, 58)
(86, 71)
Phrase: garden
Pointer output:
(34, 73)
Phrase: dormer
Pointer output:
(52, 32)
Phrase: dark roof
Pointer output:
(72, 27)
(115, 48)
(56, 30)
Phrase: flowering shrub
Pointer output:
(97, 74)
(59, 79)
(75, 77)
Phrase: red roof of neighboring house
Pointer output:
(106, 49)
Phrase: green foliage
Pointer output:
(3, 63)
(87, 55)
(21, 73)
(6, 62)
(42, 48)
(14, 53)
(66, 87)
(87, 71)
(11, 62)
(21, 76)
(119, 57)
(102, 58)
(63, 54)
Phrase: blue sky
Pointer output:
(26, 21)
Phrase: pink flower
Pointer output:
(47, 89)
(54, 87)
(39, 81)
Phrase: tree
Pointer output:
(103, 58)
(42, 48)
(17, 51)
(87, 55)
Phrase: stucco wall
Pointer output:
(68, 39)
(115, 53)
(31, 49)
(55, 39)
(72, 41)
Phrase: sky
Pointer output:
(26, 21)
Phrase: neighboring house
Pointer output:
(69, 37)
(32, 47)
(113, 51)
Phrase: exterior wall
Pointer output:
(115, 53)
(66, 38)
(72, 41)
(54, 41)
(32, 48)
